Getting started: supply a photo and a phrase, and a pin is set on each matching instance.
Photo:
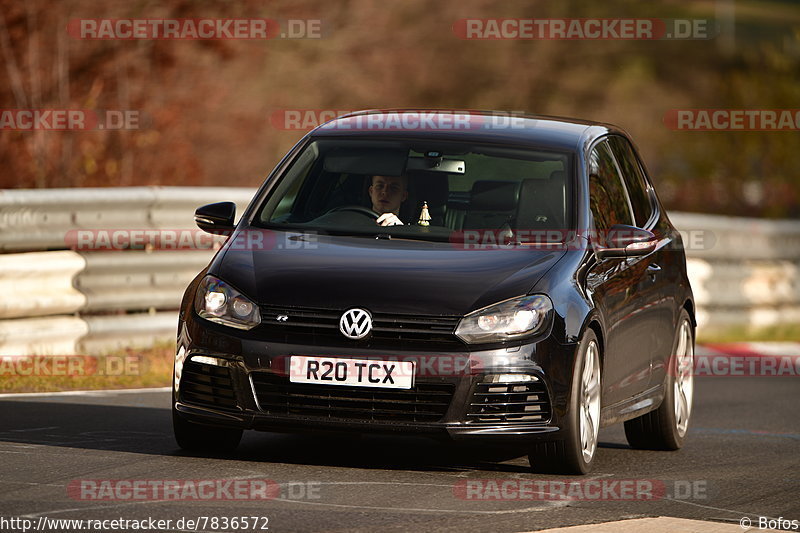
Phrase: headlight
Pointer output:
(511, 319)
(219, 302)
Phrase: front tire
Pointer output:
(576, 452)
(197, 437)
(666, 427)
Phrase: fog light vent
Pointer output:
(507, 398)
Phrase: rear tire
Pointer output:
(197, 437)
(575, 453)
(666, 427)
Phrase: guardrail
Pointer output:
(745, 272)
(60, 301)
(41, 219)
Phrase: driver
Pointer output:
(387, 193)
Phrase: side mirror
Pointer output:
(624, 241)
(216, 218)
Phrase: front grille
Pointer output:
(321, 327)
(510, 402)
(209, 385)
(426, 402)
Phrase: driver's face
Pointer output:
(387, 193)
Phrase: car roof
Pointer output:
(468, 125)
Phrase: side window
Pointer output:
(607, 195)
(282, 200)
(284, 208)
(634, 179)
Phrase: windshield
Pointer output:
(425, 189)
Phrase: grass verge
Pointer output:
(782, 333)
(124, 369)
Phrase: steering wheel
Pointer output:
(356, 209)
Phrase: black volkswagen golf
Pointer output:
(508, 280)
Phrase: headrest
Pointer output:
(541, 202)
(493, 196)
(539, 191)
(429, 188)
(551, 189)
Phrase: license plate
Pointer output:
(353, 372)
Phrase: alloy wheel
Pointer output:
(590, 401)
(683, 387)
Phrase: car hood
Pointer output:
(384, 276)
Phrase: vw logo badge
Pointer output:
(355, 324)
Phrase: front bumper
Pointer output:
(219, 379)
(497, 433)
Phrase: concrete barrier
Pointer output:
(139, 330)
(745, 272)
(54, 335)
(40, 283)
(138, 281)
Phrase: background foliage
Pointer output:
(206, 105)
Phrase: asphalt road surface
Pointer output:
(741, 459)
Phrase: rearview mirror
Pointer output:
(437, 164)
(624, 241)
(216, 218)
